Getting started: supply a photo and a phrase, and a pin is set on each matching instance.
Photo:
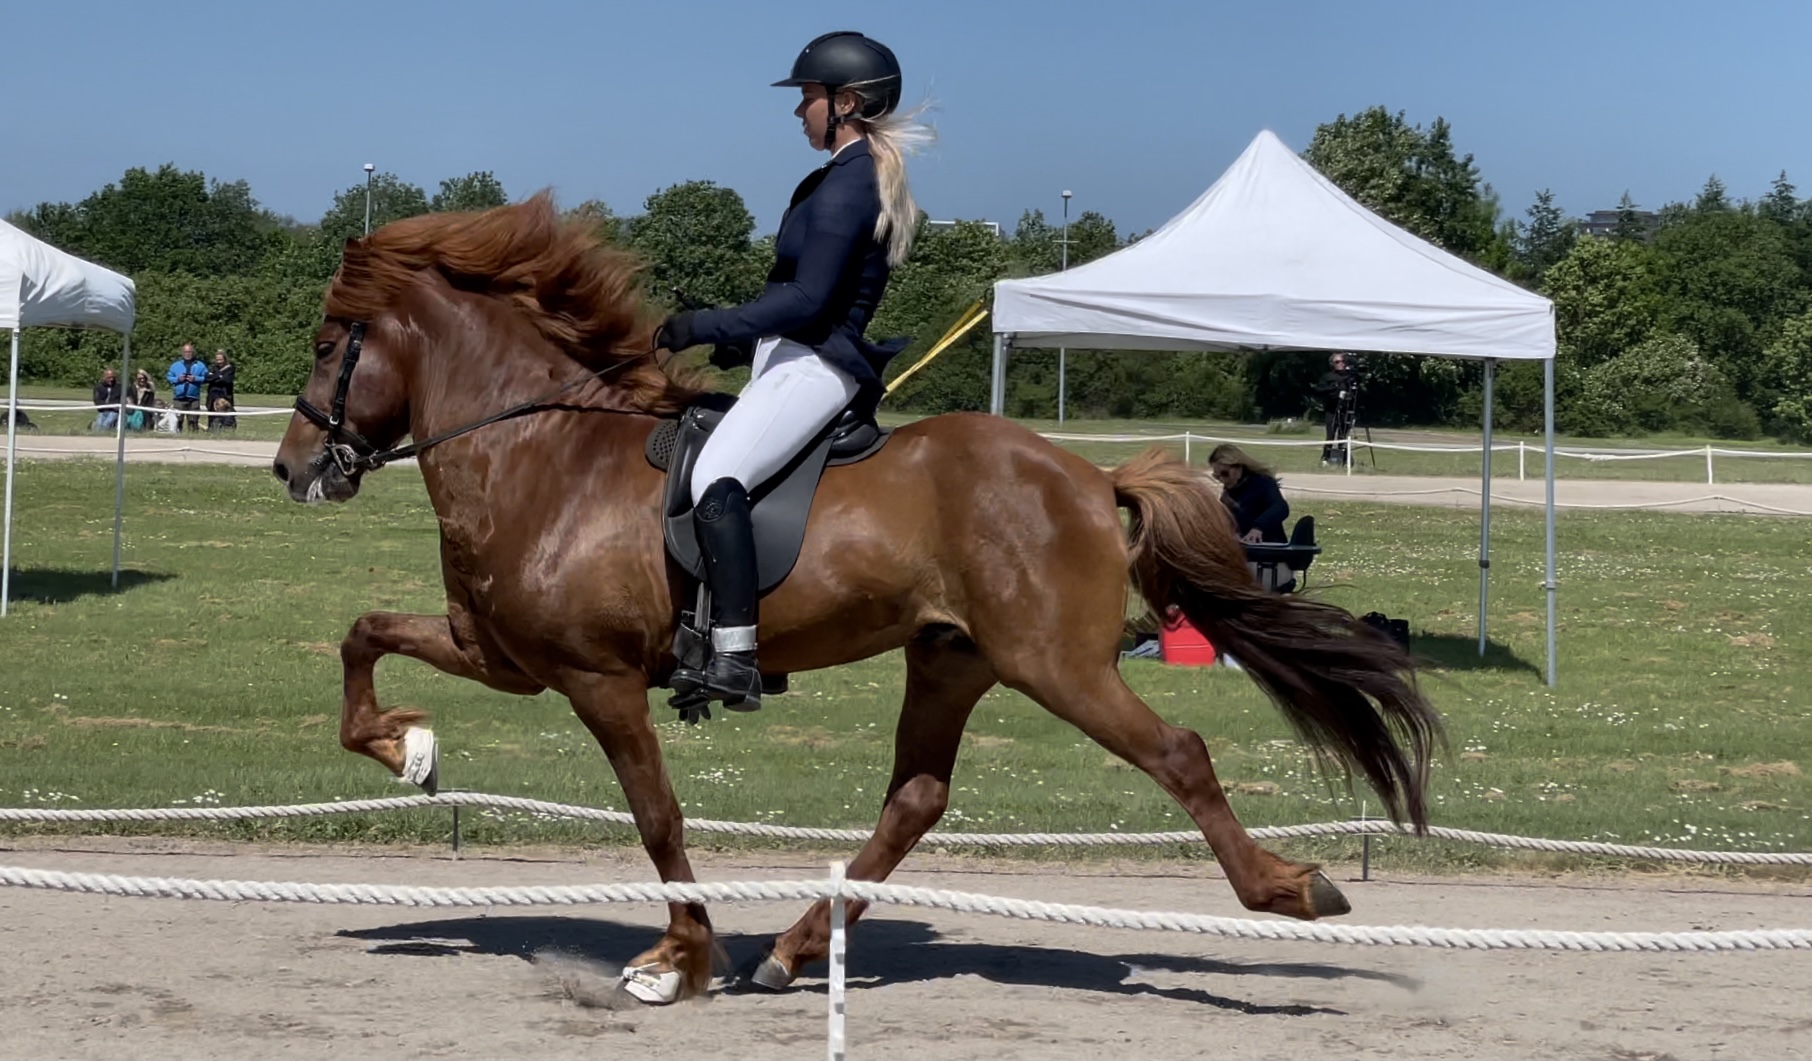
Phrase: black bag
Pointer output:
(1395, 629)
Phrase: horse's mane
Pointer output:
(580, 294)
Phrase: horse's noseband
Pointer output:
(345, 448)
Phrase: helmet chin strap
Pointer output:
(832, 122)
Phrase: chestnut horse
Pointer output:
(988, 554)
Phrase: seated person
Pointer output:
(1250, 492)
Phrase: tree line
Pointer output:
(1696, 316)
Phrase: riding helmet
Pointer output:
(846, 60)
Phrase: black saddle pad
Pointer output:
(780, 506)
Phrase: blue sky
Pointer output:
(1135, 105)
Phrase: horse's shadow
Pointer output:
(884, 952)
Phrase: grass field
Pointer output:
(1287, 452)
(1683, 717)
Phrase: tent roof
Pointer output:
(1274, 256)
(43, 286)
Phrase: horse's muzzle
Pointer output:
(321, 479)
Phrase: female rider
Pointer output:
(850, 223)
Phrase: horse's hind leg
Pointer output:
(944, 680)
(368, 729)
(1094, 698)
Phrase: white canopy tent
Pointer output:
(1274, 256)
(41, 286)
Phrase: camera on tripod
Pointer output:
(1340, 390)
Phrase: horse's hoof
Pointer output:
(421, 759)
(770, 974)
(651, 984)
(1325, 899)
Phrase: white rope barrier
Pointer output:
(899, 895)
(1371, 827)
(57, 405)
(1472, 491)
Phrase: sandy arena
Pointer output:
(100, 977)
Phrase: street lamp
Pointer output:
(1062, 354)
(368, 168)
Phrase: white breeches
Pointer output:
(792, 395)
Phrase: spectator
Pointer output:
(107, 392)
(220, 393)
(143, 398)
(1250, 491)
(186, 376)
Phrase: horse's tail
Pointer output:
(1347, 689)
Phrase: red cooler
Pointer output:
(1183, 645)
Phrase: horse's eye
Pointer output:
(323, 350)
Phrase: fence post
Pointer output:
(1522, 453)
(1349, 454)
(1708, 479)
(455, 830)
(838, 953)
(1185, 447)
(1365, 847)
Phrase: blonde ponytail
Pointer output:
(890, 139)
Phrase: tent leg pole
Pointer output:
(12, 452)
(1063, 380)
(1548, 426)
(997, 392)
(1485, 507)
(119, 459)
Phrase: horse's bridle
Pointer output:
(351, 452)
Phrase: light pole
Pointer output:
(1062, 354)
(368, 168)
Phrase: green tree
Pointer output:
(1630, 226)
(1730, 278)
(695, 238)
(1781, 205)
(1661, 384)
(474, 191)
(603, 220)
(164, 220)
(392, 199)
(949, 270)
(1789, 362)
(1607, 298)
(1412, 177)
(1546, 239)
(1712, 197)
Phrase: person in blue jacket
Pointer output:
(1250, 492)
(187, 375)
(850, 224)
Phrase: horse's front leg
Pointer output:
(615, 708)
(368, 729)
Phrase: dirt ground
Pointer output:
(100, 977)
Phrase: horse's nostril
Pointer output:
(280, 471)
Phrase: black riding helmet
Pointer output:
(848, 61)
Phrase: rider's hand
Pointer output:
(676, 333)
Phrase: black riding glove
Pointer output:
(676, 333)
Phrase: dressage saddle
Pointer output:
(779, 507)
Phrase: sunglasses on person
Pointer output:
(1222, 472)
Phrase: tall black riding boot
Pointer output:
(727, 538)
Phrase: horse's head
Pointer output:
(355, 404)
(529, 295)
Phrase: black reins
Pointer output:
(352, 452)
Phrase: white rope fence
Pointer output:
(1370, 827)
(839, 890)
(900, 895)
(1521, 448)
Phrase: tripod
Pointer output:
(1347, 421)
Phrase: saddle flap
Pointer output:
(780, 508)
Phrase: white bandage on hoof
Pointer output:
(421, 759)
(651, 984)
(771, 975)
